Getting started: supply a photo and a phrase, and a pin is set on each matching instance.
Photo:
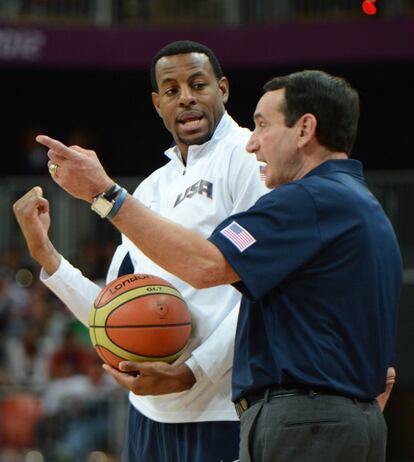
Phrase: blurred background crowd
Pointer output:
(78, 70)
(54, 395)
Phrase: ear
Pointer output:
(307, 129)
(223, 84)
(156, 102)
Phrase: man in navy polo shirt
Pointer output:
(319, 267)
(320, 270)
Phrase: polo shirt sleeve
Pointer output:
(271, 240)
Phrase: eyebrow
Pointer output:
(198, 74)
(257, 115)
(192, 76)
(167, 80)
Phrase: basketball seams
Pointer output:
(142, 326)
(92, 317)
(102, 313)
(125, 354)
(170, 291)
(138, 358)
(152, 280)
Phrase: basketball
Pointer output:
(139, 317)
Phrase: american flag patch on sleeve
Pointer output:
(238, 236)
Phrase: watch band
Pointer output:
(103, 203)
(112, 192)
(119, 200)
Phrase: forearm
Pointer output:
(47, 257)
(215, 355)
(178, 250)
(75, 290)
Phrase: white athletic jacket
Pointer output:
(220, 179)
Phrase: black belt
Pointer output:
(283, 392)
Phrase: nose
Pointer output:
(252, 145)
(186, 96)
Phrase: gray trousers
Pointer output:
(312, 428)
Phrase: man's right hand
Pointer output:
(383, 397)
(32, 214)
(152, 378)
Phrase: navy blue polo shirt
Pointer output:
(321, 274)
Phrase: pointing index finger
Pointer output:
(56, 146)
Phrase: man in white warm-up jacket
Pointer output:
(181, 412)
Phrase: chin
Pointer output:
(271, 183)
(199, 138)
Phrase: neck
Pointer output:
(184, 153)
(317, 158)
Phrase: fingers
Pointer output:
(38, 191)
(153, 378)
(32, 214)
(384, 397)
(128, 381)
(114, 372)
(120, 377)
(59, 151)
(129, 366)
(76, 170)
(34, 192)
(142, 367)
(30, 208)
(391, 375)
(145, 367)
(32, 200)
(54, 145)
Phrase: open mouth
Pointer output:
(190, 120)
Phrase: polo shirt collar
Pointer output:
(351, 166)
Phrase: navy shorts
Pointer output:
(150, 441)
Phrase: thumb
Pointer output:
(38, 191)
(129, 366)
(391, 375)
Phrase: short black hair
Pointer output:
(331, 99)
(183, 47)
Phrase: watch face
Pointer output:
(101, 206)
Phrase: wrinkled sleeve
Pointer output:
(75, 290)
(215, 355)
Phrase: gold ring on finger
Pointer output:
(53, 168)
